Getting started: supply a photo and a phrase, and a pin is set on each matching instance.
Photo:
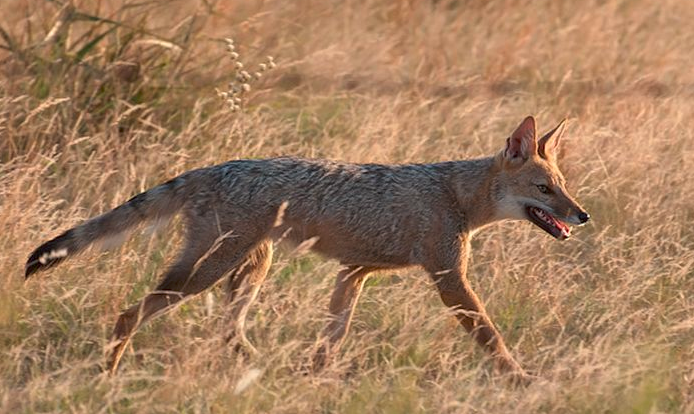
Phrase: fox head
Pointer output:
(530, 186)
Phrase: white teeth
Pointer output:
(550, 220)
(541, 214)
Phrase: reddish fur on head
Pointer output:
(532, 185)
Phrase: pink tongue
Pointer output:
(565, 230)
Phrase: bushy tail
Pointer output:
(160, 202)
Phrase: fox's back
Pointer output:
(354, 210)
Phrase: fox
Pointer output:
(368, 217)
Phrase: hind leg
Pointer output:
(243, 287)
(192, 274)
(343, 301)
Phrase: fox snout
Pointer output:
(574, 213)
(557, 214)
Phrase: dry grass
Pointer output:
(110, 105)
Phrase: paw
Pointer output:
(515, 372)
(522, 378)
(320, 359)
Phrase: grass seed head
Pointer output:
(241, 84)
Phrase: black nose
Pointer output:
(583, 216)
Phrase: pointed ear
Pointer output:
(548, 144)
(522, 144)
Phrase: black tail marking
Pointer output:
(49, 254)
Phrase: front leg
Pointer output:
(448, 267)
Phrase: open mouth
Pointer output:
(549, 223)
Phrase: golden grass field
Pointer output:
(102, 100)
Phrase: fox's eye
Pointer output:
(543, 188)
